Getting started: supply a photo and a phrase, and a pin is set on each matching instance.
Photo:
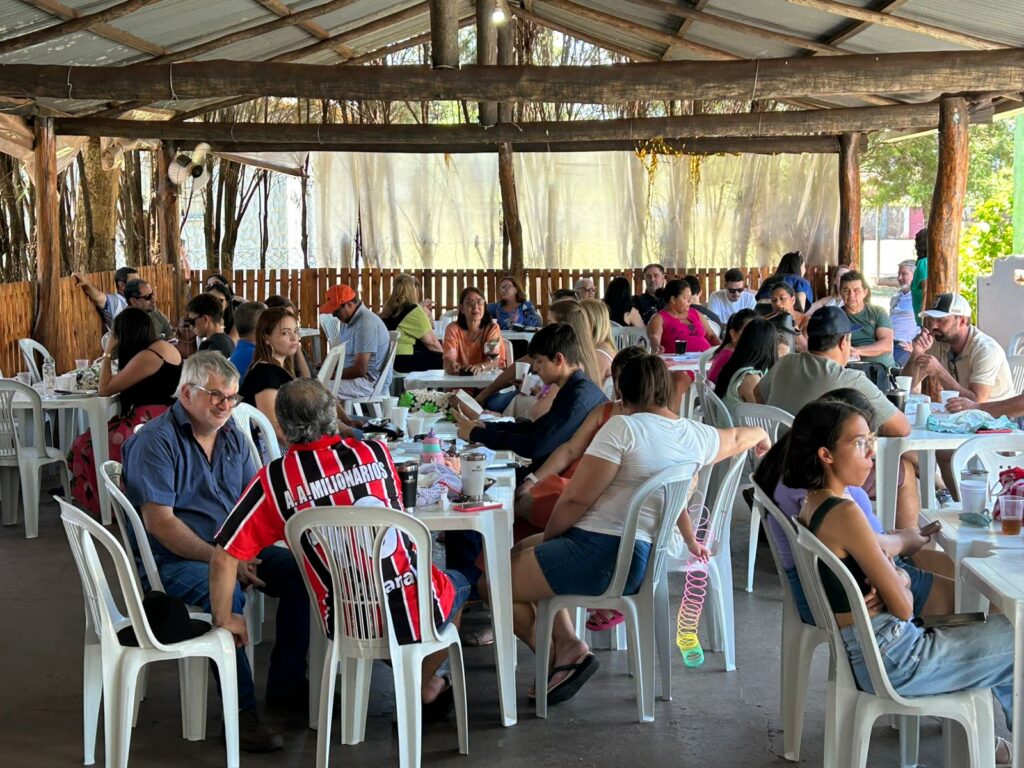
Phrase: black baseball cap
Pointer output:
(830, 321)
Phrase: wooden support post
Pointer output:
(486, 52)
(947, 209)
(510, 207)
(507, 58)
(849, 199)
(168, 221)
(444, 34)
(46, 328)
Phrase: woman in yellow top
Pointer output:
(473, 343)
(418, 347)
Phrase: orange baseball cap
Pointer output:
(336, 296)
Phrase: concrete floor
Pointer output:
(716, 718)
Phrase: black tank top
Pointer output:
(156, 389)
(833, 587)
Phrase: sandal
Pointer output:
(599, 622)
(438, 709)
(478, 638)
(1003, 744)
(582, 670)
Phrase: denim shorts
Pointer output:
(582, 562)
(461, 584)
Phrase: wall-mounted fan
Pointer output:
(185, 167)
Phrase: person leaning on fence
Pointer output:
(184, 472)
(322, 469)
(108, 304)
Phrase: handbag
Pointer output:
(1011, 483)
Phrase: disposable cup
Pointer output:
(416, 425)
(522, 371)
(24, 377)
(924, 410)
(974, 491)
(1011, 510)
(387, 405)
(81, 363)
(904, 382)
(399, 417)
(948, 394)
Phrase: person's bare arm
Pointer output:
(881, 346)
(223, 576)
(591, 480)
(144, 364)
(1012, 407)
(897, 426)
(96, 296)
(634, 318)
(301, 366)
(565, 454)
(265, 402)
(173, 534)
(654, 330)
(709, 334)
(360, 366)
(748, 387)
(430, 341)
(739, 439)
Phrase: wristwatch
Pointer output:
(531, 477)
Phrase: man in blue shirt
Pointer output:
(366, 342)
(184, 471)
(245, 323)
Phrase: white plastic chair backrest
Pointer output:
(715, 327)
(673, 485)
(330, 372)
(720, 508)
(246, 417)
(628, 336)
(10, 442)
(1016, 363)
(808, 553)
(984, 452)
(447, 318)
(83, 534)
(130, 524)
(29, 348)
(350, 540)
(772, 420)
(704, 361)
(383, 378)
(1016, 345)
(714, 410)
(331, 326)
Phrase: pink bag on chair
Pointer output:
(1011, 483)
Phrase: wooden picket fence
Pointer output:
(81, 328)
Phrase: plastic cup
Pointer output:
(81, 363)
(1011, 510)
(399, 417)
(522, 371)
(24, 377)
(387, 405)
(974, 490)
(924, 410)
(417, 425)
(948, 394)
(474, 472)
(904, 382)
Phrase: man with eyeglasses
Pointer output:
(205, 314)
(139, 293)
(585, 288)
(183, 471)
(727, 301)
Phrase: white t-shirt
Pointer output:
(643, 445)
(719, 304)
(982, 361)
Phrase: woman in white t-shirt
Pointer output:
(581, 541)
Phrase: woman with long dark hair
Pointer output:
(756, 352)
(791, 271)
(148, 369)
(619, 298)
(276, 340)
(737, 322)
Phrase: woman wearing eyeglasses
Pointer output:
(679, 321)
(147, 376)
(276, 340)
(473, 343)
(513, 308)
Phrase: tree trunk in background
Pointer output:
(510, 207)
(134, 221)
(231, 173)
(15, 201)
(209, 218)
(66, 206)
(47, 273)
(849, 200)
(100, 190)
(947, 209)
(304, 237)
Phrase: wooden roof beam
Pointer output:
(698, 5)
(100, 29)
(310, 27)
(856, 27)
(898, 22)
(629, 53)
(74, 24)
(813, 77)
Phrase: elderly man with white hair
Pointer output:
(585, 288)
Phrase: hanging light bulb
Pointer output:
(498, 16)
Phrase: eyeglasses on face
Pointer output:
(863, 444)
(219, 398)
(474, 303)
(147, 297)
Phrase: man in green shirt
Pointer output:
(872, 341)
(920, 271)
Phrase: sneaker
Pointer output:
(944, 498)
(254, 735)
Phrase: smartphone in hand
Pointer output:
(932, 528)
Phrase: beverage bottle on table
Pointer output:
(49, 376)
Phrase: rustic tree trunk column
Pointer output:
(849, 199)
(510, 207)
(507, 58)
(444, 34)
(168, 220)
(47, 320)
(486, 52)
(947, 209)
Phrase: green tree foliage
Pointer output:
(989, 236)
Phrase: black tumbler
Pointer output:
(408, 474)
(680, 346)
(897, 397)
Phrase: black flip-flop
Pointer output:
(570, 686)
(439, 708)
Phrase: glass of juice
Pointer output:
(1011, 509)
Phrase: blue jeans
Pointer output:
(921, 662)
(190, 580)
(499, 400)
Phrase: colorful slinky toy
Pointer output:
(694, 592)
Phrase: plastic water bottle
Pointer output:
(49, 376)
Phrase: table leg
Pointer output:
(887, 464)
(97, 413)
(498, 559)
(926, 460)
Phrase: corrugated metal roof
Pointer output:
(179, 24)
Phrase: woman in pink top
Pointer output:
(737, 322)
(678, 321)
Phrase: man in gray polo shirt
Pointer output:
(366, 342)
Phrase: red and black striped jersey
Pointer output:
(334, 472)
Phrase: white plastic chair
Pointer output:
(351, 539)
(851, 713)
(798, 639)
(330, 372)
(383, 380)
(65, 419)
(1016, 363)
(25, 462)
(1016, 345)
(629, 336)
(713, 409)
(112, 670)
(29, 348)
(135, 540)
(246, 418)
(987, 452)
(774, 421)
(646, 612)
(704, 361)
(331, 326)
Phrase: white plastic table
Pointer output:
(887, 465)
(690, 363)
(439, 379)
(517, 335)
(1000, 579)
(97, 410)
